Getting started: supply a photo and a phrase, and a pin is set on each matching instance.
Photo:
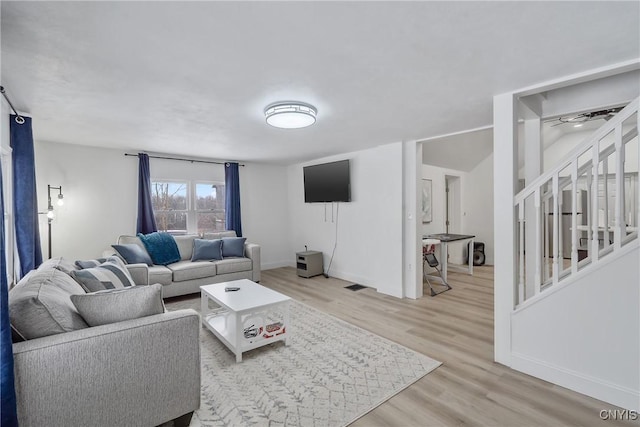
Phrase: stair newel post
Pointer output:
(619, 228)
(589, 213)
(574, 216)
(539, 240)
(556, 246)
(605, 191)
(595, 249)
(520, 297)
(546, 240)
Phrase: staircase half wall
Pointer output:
(585, 335)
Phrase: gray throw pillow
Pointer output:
(111, 274)
(206, 250)
(117, 305)
(233, 246)
(40, 305)
(58, 263)
(133, 254)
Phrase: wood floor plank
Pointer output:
(456, 328)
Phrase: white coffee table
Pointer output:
(245, 319)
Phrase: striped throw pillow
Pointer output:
(111, 274)
(90, 263)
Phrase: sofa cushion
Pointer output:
(133, 253)
(111, 274)
(185, 245)
(41, 305)
(161, 246)
(206, 250)
(233, 265)
(58, 263)
(219, 234)
(160, 274)
(189, 270)
(117, 305)
(233, 246)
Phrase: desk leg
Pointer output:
(470, 257)
(443, 260)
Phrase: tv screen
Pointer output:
(327, 182)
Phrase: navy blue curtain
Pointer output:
(25, 200)
(232, 198)
(8, 415)
(146, 220)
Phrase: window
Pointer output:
(177, 212)
(170, 201)
(210, 206)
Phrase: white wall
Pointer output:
(369, 228)
(477, 195)
(100, 197)
(100, 188)
(586, 335)
(264, 202)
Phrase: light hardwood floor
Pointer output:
(456, 328)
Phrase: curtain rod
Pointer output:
(19, 118)
(182, 160)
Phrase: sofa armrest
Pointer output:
(252, 251)
(140, 372)
(139, 273)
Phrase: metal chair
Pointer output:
(432, 261)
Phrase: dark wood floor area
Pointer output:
(456, 328)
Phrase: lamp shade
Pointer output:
(290, 115)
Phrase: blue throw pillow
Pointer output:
(206, 250)
(233, 246)
(133, 254)
(161, 246)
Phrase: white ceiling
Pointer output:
(193, 78)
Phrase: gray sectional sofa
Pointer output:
(139, 372)
(186, 276)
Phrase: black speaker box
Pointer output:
(478, 253)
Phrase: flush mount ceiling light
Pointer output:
(290, 115)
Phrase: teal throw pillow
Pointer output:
(233, 246)
(162, 247)
(206, 250)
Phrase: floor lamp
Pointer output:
(50, 213)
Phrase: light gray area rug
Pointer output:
(330, 374)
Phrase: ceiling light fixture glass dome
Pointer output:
(290, 114)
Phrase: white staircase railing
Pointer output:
(583, 210)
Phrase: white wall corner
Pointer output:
(412, 223)
(504, 185)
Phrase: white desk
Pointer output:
(445, 239)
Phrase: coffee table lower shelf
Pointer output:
(222, 323)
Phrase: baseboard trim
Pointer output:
(594, 387)
(279, 264)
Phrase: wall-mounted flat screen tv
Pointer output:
(327, 182)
